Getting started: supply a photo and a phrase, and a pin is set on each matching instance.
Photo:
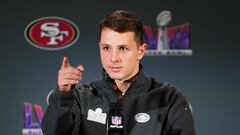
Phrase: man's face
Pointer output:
(120, 54)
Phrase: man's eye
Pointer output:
(106, 48)
(123, 49)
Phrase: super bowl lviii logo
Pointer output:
(175, 40)
(32, 123)
(51, 33)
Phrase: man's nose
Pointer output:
(115, 56)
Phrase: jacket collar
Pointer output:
(139, 83)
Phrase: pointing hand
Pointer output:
(68, 75)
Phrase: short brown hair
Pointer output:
(124, 21)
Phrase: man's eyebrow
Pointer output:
(104, 44)
(121, 45)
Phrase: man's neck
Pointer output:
(122, 85)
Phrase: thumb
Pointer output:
(65, 62)
(80, 68)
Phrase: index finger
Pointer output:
(65, 62)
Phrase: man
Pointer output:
(125, 101)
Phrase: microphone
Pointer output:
(115, 120)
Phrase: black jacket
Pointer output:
(148, 107)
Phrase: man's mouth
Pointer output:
(115, 68)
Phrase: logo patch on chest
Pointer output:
(142, 117)
(97, 116)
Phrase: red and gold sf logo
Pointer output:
(51, 33)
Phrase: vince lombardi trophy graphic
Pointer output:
(163, 20)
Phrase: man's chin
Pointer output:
(114, 77)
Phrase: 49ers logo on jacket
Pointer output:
(51, 33)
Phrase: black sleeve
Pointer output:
(180, 118)
(62, 116)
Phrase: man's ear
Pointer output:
(141, 50)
